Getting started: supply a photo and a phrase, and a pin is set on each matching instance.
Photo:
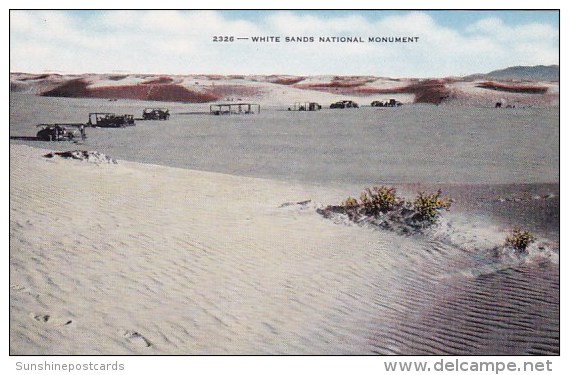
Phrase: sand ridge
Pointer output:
(118, 246)
(284, 90)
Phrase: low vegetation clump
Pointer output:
(379, 200)
(382, 207)
(519, 240)
(350, 203)
(428, 206)
(373, 202)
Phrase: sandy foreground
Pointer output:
(133, 258)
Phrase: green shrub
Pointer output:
(519, 240)
(428, 206)
(379, 200)
(350, 202)
(381, 206)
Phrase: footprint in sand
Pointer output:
(135, 337)
(22, 289)
(17, 287)
(45, 318)
(42, 318)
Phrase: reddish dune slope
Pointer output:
(79, 88)
(525, 89)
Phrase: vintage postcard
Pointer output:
(318, 182)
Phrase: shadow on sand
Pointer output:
(24, 138)
(193, 113)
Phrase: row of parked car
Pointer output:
(68, 131)
(111, 120)
(376, 103)
(311, 106)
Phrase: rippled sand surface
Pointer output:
(141, 259)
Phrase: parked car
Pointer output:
(387, 103)
(55, 132)
(110, 120)
(344, 104)
(156, 114)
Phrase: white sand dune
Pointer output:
(143, 259)
(135, 258)
(267, 90)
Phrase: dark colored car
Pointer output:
(54, 132)
(156, 114)
(110, 120)
(345, 104)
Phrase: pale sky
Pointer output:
(180, 42)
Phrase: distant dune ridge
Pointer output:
(525, 86)
(530, 73)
